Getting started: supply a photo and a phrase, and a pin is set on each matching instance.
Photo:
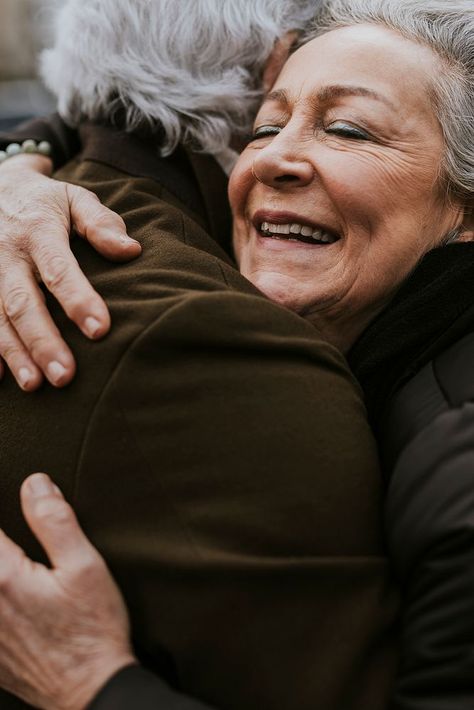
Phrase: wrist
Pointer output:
(34, 162)
(80, 693)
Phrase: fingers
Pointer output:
(24, 370)
(63, 277)
(102, 228)
(34, 340)
(55, 525)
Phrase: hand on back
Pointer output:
(65, 629)
(37, 216)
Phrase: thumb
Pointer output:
(101, 227)
(53, 522)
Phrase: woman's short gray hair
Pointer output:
(194, 67)
(447, 27)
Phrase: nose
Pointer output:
(282, 164)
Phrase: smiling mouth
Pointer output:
(295, 232)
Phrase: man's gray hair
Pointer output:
(194, 67)
(447, 27)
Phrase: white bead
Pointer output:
(44, 148)
(13, 149)
(29, 146)
(3, 156)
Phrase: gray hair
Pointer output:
(447, 27)
(193, 67)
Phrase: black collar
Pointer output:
(433, 309)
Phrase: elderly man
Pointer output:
(192, 441)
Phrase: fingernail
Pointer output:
(55, 371)
(40, 485)
(128, 240)
(24, 376)
(92, 327)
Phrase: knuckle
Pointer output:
(4, 320)
(89, 564)
(55, 271)
(119, 220)
(16, 302)
(39, 344)
(10, 351)
(81, 194)
(103, 218)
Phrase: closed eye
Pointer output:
(265, 131)
(347, 130)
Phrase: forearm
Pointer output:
(64, 141)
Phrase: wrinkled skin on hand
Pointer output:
(65, 630)
(37, 215)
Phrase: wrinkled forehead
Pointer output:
(398, 69)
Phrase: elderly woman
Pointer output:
(343, 202)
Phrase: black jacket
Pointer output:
(416, 364)
(429, 435)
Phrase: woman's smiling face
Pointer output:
(338, 195)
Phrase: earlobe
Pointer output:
(277, 58)
(467, 227)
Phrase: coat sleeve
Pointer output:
(65, 143)
(134, 688)
(430, 523)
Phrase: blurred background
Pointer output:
(25, 28)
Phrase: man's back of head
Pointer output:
(193, 67)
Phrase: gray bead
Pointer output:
(29, 146)
(44, 148)
(13, 149)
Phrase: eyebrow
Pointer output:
(329, 93)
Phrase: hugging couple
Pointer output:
(215, 445)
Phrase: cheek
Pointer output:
(370, 187)
(240, 183)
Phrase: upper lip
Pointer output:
(283, 217)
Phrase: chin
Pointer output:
(280, 289)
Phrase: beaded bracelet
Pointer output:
(29, 146)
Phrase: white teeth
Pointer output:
(276, 228)
(295, 228)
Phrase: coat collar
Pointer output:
(195, 179)
(433, 309)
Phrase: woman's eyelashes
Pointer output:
(265, 131)
(339, 128)
(347, 130)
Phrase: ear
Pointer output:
(467, 226)
(276, 60)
